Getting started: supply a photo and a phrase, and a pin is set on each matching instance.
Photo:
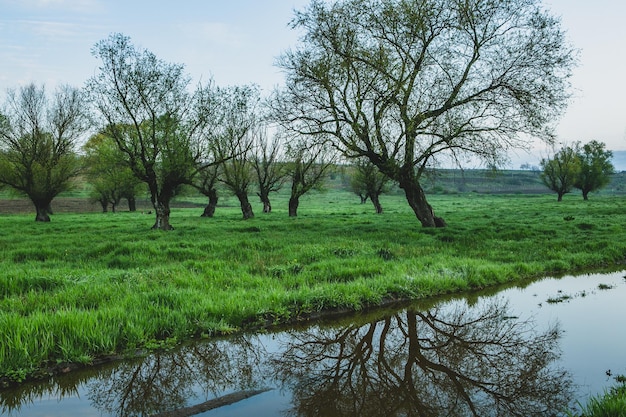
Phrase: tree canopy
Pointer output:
(595, 167)
(560, 172)
(406, 82)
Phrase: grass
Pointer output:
(88, 285)
(612, 403)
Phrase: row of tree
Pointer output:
(586, 167)
(399, 84)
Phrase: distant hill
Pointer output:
(619, 160)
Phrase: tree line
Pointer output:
(398, 85)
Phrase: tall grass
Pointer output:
(88, 285)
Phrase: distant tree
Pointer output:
(405, 82)
(108, 173)
(595, 167)
(271, 173)
(206, 183)
(38, 137)
(560, 172)
(308, 168)
(157, 123)
(368, 182)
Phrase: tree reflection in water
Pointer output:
(462, 362)
(453, 360)
(167, 381)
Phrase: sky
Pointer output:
(237, 42)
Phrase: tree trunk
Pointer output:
(104, 205)
(267, 206)
(162, 209)
(42, 212)
(132, 204)
(376, 203)
(209, 210)
(293, 206)
(363, 198)
(417, 200)
(585, 195)
(559, 196)
(246, 207)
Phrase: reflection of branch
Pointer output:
(212, 404)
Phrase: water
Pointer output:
(519, 351)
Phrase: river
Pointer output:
(520, 351)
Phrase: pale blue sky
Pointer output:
(237, 41)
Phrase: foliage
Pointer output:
(561, 172)
(37, 143)
(595, 167)
(96, 284)
(406, 82)
(107, 172)
(368, 182)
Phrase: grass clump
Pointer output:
(612, 403)
(90, 285)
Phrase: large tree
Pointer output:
(595, 167)
(38, 137)
(158, 124)
(560, 172)
(404, 82)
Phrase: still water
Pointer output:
(520, 351)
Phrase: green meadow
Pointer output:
(85, 286)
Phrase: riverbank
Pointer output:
(92, 285)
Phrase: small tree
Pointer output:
(206, 184)
(38, 137)
(368, 182)
(108, 173)
(271, 174)
(234, 141)
(595, 167)
(560, 172)
(308, 169)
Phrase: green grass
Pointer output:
(88, 285)
(610, 404)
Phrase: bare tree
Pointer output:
(235, 141)
(271, 173)
(159, 126)
(405, 82)
(38, 137)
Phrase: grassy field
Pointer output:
(89, 285)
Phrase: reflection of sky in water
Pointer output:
(593, 343)
(594, 340)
